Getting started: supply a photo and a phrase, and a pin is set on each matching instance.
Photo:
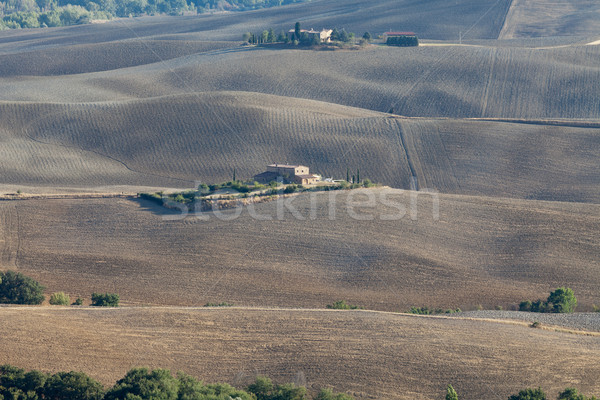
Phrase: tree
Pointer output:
(140, 383)
(451, 393)
(282, 37)
(60, 299)
(246, 37)
(562, 300)
(272, 37)
(297, 31)
(105, 300)
(529, 394)
(367, 36)
(343, 36)
(16, 288)
(570, 394)
(289, 391)
(72, 386)
(261, 388)
(335, 35)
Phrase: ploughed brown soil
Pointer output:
(367, 354)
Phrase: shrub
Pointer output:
(223, 304)
(451, 393)
(16, 288)
(428, 311)
(573, 394)
(60, 299)
(78, 302)
(261, 388)
(342, 305)
(525, 305)
(140, 383)
(72, 386)
(529, 394)
(290, 189)
(563, 300)
(105, 300)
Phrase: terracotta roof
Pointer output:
(286, 166)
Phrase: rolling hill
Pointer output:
(175, 141)
(500, 133)
(386, 256)
(370, 355)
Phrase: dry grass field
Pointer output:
(481, 251)
(176, 140)
(531, 18)
(504, 127)
(370, 355)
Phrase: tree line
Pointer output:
(49, 13)
(143, 384)
(17, 288)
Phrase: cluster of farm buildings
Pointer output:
(298, 174)
(390, 38)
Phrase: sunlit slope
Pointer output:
(378, 251)
(177, 140)
(369, 355)
(452, 81)
(535, 18)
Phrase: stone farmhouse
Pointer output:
(298, 174)
(324, 34)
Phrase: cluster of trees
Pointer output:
(562, 300)
(402, 41)
(48, 13)
(16, 288)
(342, 305)
(430, 311)
(532, 394)
(142, 384)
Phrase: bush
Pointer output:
(140, 383)
(72, 386)
(60, 299)
(105, 300)
(573, 394)
(451, 393)
(223, 304)
(529, 394)
(429, 311)
(16, 288)
(525, 305)
(563, 300)
(78, 302)
(342, 305)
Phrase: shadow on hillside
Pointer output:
(155, 208)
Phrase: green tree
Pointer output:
(297, 31)
(16, 288)
(335, 35)
(367, 36)
(343, 36)
(72, 386)
(264, 36)
(282, 37)
(451, 393)
(570, 394)
(105, 300)
(272, 37)
(261, 388)
(246, 37)
(529, 394)
(562, 300)
(288, 391)
(60, 299)
(142, 384)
